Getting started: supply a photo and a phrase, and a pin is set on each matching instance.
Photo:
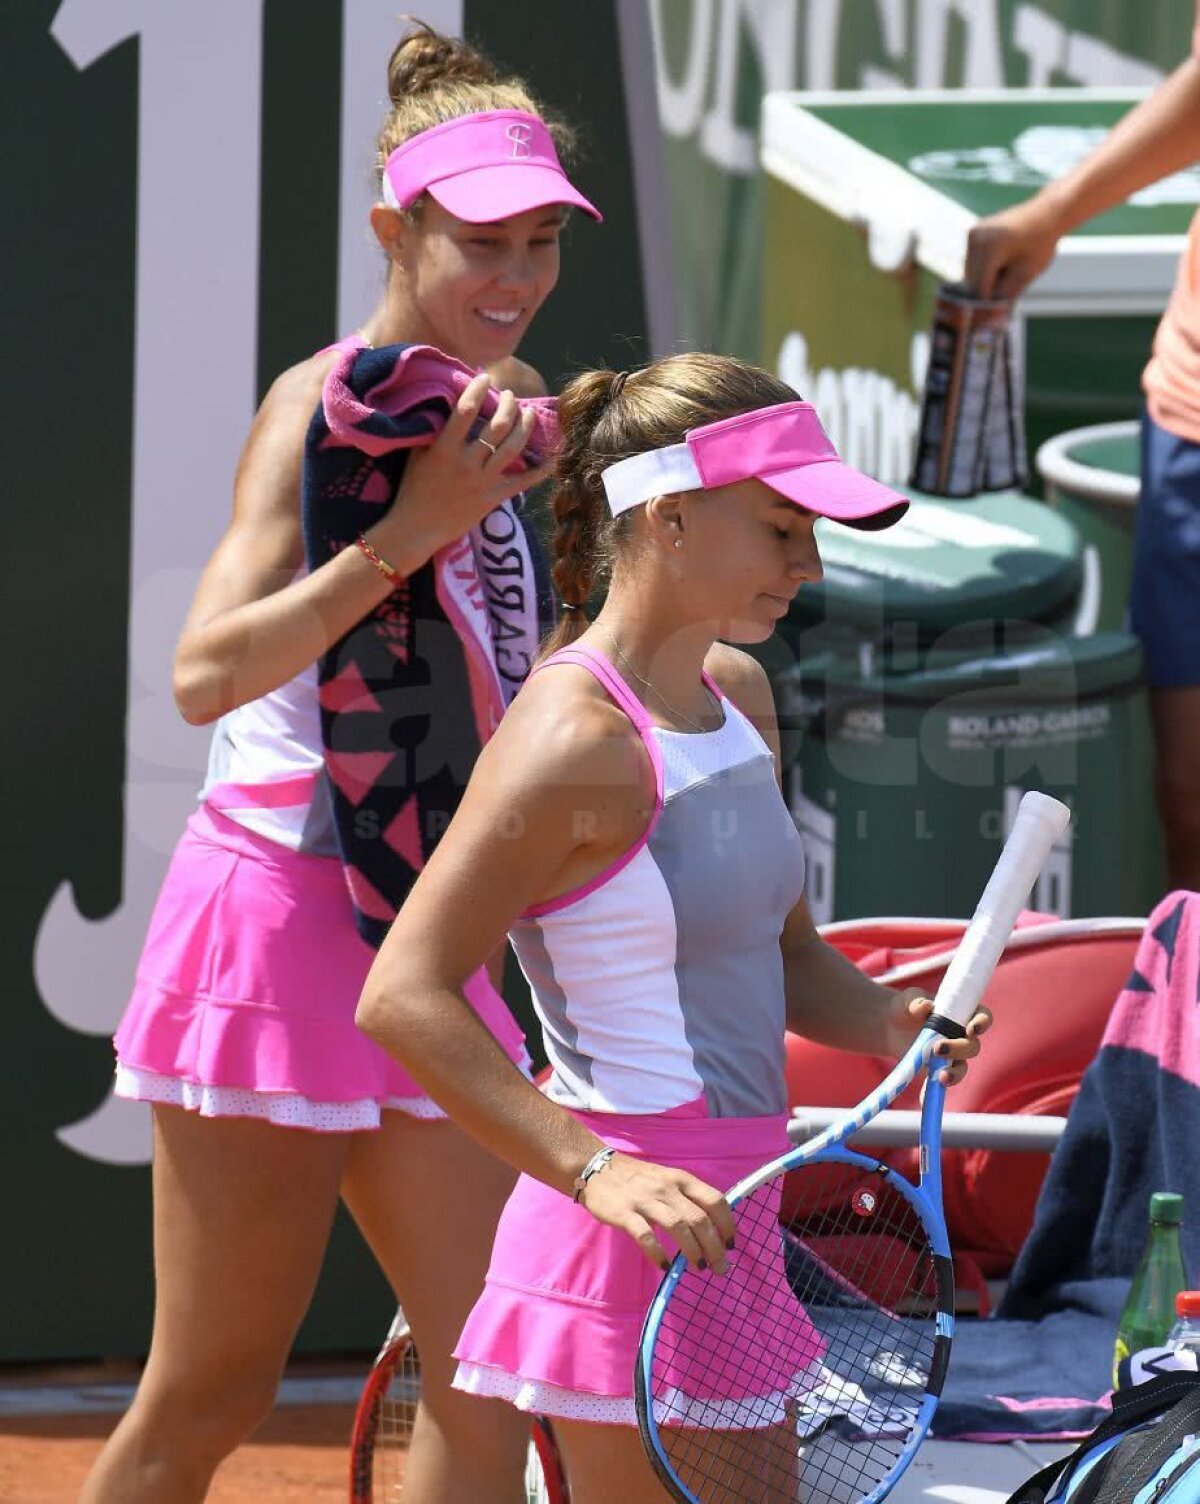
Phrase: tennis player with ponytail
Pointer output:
(351, 688)
(626, 827)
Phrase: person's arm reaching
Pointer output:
(1161, 135)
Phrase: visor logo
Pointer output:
(519, 135)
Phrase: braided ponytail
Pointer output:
(581, 546)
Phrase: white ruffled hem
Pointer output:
(539, 1398)
(282, 1108)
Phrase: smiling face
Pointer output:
(470, 289)
(746, 551)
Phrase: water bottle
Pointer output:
(1184, 1336)
(1149, 1312)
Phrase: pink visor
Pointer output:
(784, 446)
(482, 168)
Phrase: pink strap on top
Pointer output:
(602, 670)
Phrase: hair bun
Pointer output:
(425, 60)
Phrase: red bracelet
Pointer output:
(393, 576)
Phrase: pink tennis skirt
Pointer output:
(247, 986)
(556, 1329)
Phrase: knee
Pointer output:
(206, 1416)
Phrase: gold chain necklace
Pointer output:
(658, 694)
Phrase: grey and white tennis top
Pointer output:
(659, 984)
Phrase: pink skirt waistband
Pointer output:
(668, 1138)
(209, 823)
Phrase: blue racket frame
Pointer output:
(925, 1197)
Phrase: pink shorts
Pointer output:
(247, 986)
(556, 1329)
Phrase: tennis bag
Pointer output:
(1146, 1452)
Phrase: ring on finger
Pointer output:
(486, 444)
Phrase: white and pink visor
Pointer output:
(482, 168)
(784, 446)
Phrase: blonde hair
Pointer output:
(606, 416)
(434, 78)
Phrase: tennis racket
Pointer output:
(383, 1426)
(811, 1370)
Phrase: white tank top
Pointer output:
(659, 984)
(266, 768)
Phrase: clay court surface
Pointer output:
(300, 1456)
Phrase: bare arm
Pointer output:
(253, 625)
(828, 999)
(556, 795)
(1159, 136)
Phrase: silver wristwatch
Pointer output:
(593, 1167)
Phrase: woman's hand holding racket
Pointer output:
(813, 1369)
(910, 1013)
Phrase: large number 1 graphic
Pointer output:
(199, 111)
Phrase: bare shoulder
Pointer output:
(744, 680)
(519, 377)
(268, 476)
(293, 395)
(563, 729)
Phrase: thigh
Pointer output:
(608, 1464)
(1176, 715)
(728, 1461)
(427, 1199)
(242, 1213)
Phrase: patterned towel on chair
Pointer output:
(1043, 1365)
(1133, 1129)
(410, 694)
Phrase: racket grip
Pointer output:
(1039, 823)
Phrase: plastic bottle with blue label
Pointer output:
(1184, 1337)
(1180, 1350)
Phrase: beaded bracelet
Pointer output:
(391, 574)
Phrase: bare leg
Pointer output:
(242, 1212)
(607, 1464)
(1176, 715)
(427, 1199)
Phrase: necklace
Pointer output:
(657, 693)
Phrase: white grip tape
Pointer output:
(1039, 823)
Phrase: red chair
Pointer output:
(1051, 995)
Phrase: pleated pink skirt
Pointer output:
(247, 986)
(556, 1329)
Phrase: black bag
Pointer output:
(1146, 1452)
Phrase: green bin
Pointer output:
(906, 783)
(1093, 476)
(952, 568)
(869, 198)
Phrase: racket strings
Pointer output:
(397, 1415)
(800, 1373)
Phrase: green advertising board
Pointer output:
(186, 186)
